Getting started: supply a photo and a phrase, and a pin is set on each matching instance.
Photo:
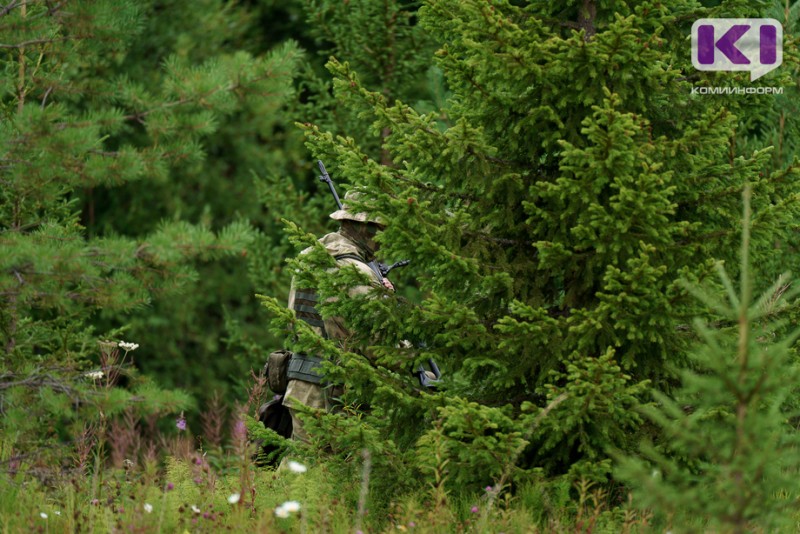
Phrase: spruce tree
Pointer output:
(549, 214)
(775, 121)
(728, 456)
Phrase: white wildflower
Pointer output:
(95, 375)
(57, 512)
(195, 509)
(287, 508)
(43, 515)
(291, 506)
(148, 507)
(128, 347)
(297, 467)
(234, 498)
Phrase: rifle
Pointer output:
(383, 269)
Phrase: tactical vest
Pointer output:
(304, 366)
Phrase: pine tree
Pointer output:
(75, 123)
(550, 213)
(206, 58)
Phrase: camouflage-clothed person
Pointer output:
(353, 245)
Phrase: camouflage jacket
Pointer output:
(304, 300)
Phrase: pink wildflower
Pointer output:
(239, 430)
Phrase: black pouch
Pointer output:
(277, 370)
(275, 416)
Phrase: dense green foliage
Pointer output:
(615, 182)
(559, 189)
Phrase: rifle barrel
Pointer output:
(327, 179)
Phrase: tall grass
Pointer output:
(179, 481)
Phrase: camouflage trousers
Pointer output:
(301, 394)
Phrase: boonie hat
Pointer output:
(346, 214)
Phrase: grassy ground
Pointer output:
(190, 492)
(115, 476)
